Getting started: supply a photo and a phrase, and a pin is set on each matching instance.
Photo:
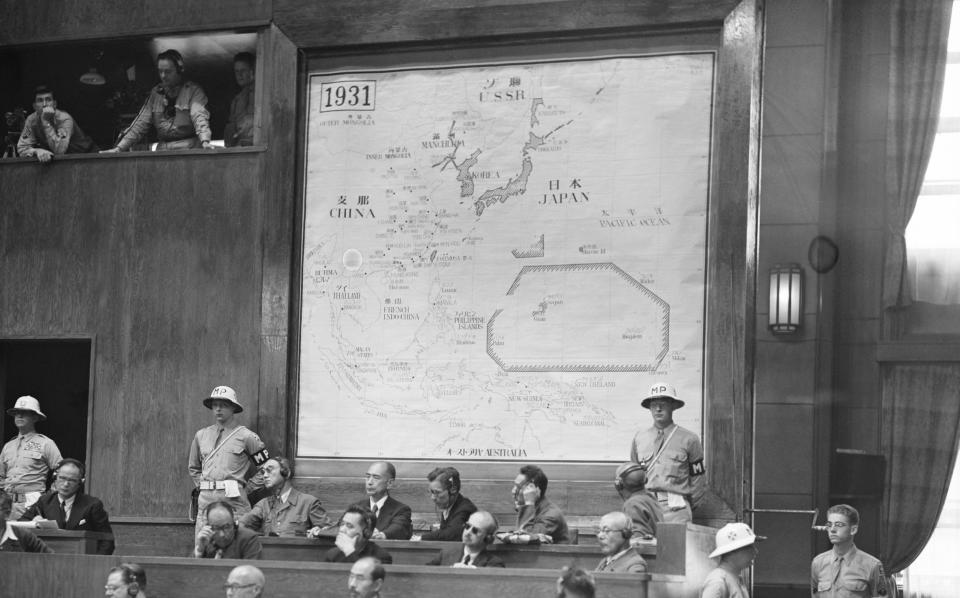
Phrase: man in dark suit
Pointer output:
(353, 538)
(72, 509)
(478, 533)
(15, 538)
(394, 519)
(454, 508)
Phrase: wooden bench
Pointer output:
(27, 574)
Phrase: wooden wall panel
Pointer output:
(57, 20)
(357, 22)
(160, 261)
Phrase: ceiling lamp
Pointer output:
(92, 77)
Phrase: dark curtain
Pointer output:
(918, 51)
(921, 430)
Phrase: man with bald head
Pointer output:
(613, 536)
(366, 578)
(394, 519)
(245, 581)
(478, 533)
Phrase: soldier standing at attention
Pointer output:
(672, 456)
(845, 570)
(26, 460)
(221, 456)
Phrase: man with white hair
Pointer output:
(245, 581)
(613, 536)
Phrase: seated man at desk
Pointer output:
(393, 518)
(16, 538)
(538, 519)
(453, 508)
(639, 505)
(479, 532)
(222, 538)
(48, 131)
(353, 539)
(613, 536)
(72, 509)
(176, 109)
(287, 511)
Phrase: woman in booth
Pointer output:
(176, 109)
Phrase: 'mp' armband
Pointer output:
(697, 468)
(260, 457)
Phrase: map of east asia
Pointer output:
(499, 260)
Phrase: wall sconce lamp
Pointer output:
(786, 298)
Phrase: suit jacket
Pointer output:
(245, 545)
(544, 518)
(87, 514)
(452, 555)
(626, 561)
(395, 519)
(335, 555)
(25, 542)
(451, 528)
(293, 517)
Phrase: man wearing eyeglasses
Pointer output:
(845, 570)
(452, 507)
(393, 518)
(245, 581)
(478, 533)
(71, 508)
(222, 538)
(613, 536)
(287, 511)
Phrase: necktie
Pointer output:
(659, 438)
(62, 521)
(466, 559)
(219, 434)
(836, 573)
(375, 510)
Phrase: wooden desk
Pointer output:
(26, 574)
(63, 541)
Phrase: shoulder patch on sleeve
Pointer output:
(260, 457)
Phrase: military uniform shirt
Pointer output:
(230, 462)
(25, 462)
(857, 575)
(679, 468)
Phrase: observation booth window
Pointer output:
(103, 84)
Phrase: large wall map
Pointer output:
(499, 259)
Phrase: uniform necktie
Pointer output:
(219, 434)
(659, 438)
(838, 564)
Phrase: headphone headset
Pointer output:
(621, 480)
(627, 532)
(129, 578)
(78, 464)
(284, 468)
(175, 57)
(367, 519)
(492, 534)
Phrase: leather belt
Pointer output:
(220, 485)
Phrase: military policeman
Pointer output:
(26, 460)
(671, 455)
(222, 454)
(845, 570)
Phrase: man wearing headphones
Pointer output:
(638, 504)
(128, 580)
(538, 519)
(287, 511)
(478, 533)
(71, 508)
(671, 455)
(393, 518)
(222, 538)
(353, 539)
(26, 460)
(613, 536)
(366, 578)
(245, 581)
(176, 109)
(453, 508)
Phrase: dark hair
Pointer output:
(366, 517)
(852, 515)
(132, 573)
(6, 502)
(246, 57)
(448, 476)
(391, 470)
(536, 477)
(286, 467)
(219, 504)
(42, 89)
(578, 581)
(173, 56)
(76, 463)
(379, 572)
